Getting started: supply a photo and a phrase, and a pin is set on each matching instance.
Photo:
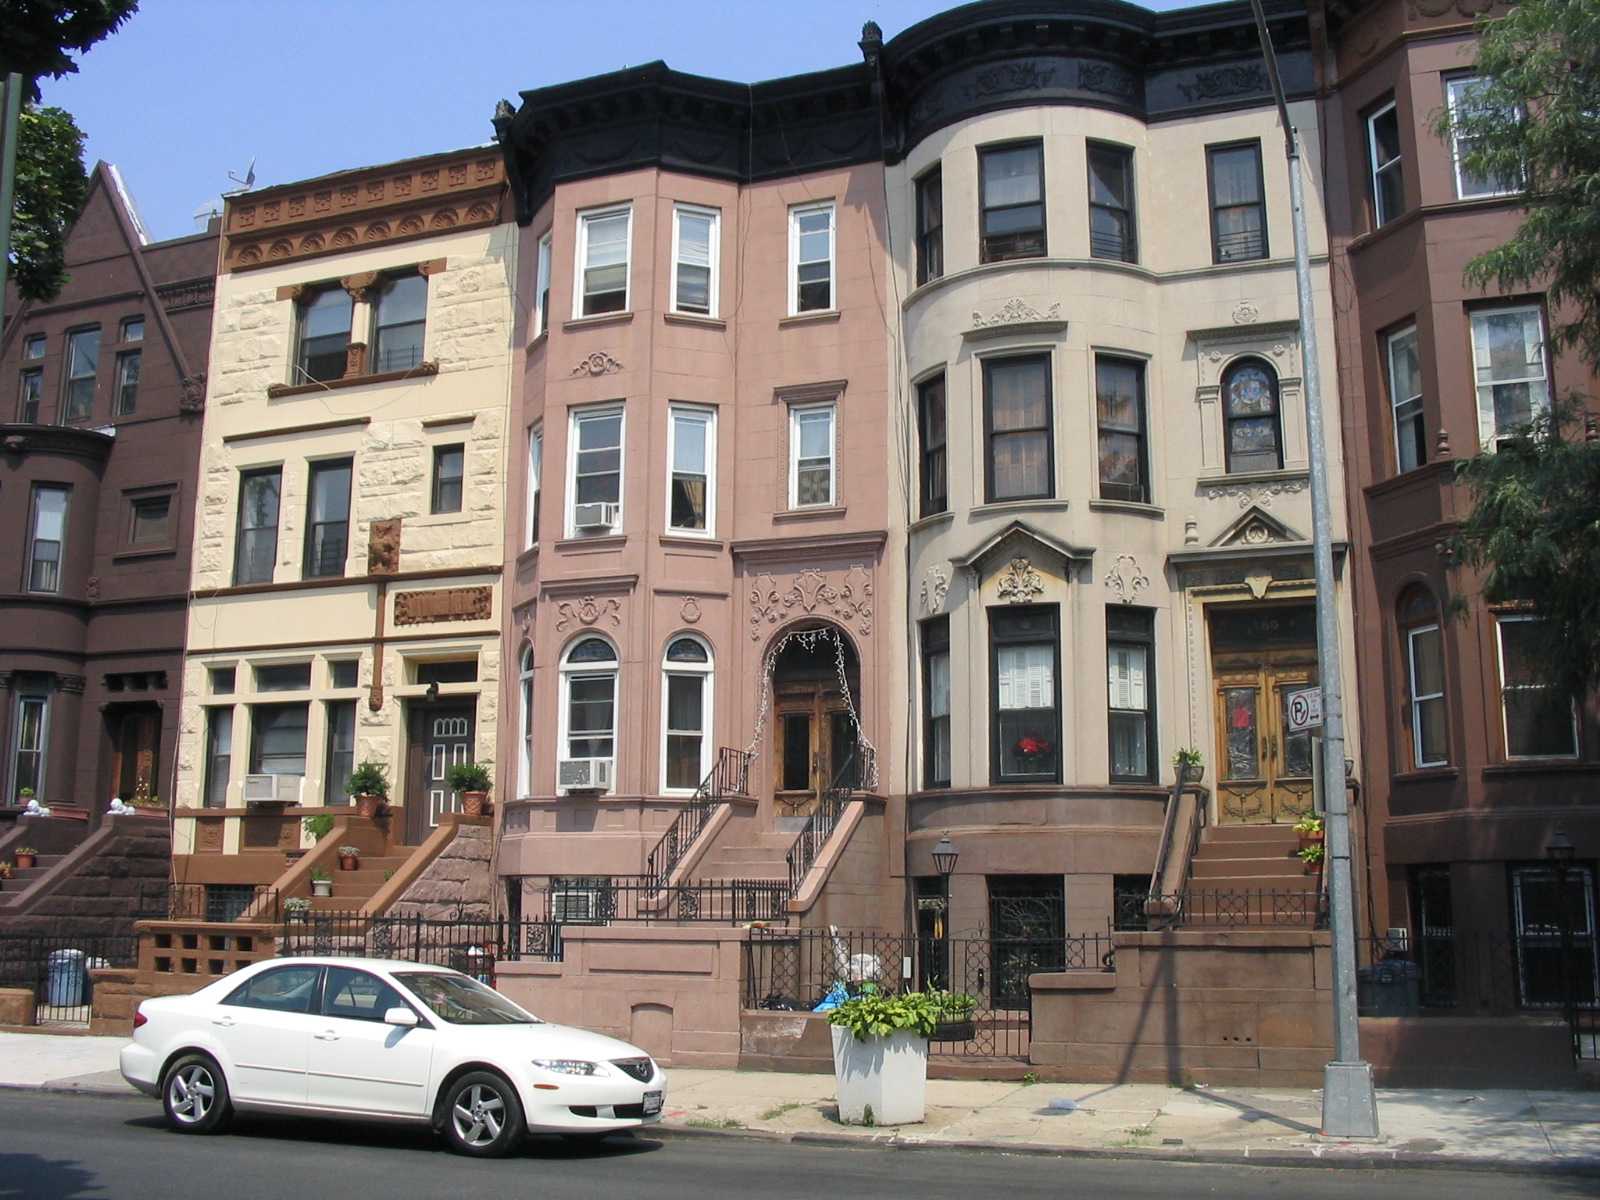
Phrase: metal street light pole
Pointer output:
(944, 862)
(1349, 1103)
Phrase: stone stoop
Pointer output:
(1248, 876)
(352, 889)
(763, 857)
(23, 877)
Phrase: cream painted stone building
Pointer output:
(346, 591)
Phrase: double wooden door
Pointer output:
(1264, 772)
(816, 745)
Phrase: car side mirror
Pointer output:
(400, 1015)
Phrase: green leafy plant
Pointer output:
(23, 850)
(1188, 757)
(26, 793)
(468, 777)
(881, 1015)
(317, 825)
(1311, 854)
(296, 904)
(368, 779)
(350, 851)
(953, 1006)
(147, 802)
(388, 874)
(318, 875)
(1309, 823)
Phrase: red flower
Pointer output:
(1032, 746)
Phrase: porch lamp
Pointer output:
(944, 857)
(1559, 851)
(944, 862)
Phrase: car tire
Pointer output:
(482, 1116)
(194, 1095)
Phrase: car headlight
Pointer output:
(571, 1066)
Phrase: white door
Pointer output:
(357, 1062)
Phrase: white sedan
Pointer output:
(376, 1039)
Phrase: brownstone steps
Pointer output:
(23, 877)
(1249, 877)
(352, 889)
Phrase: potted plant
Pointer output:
(317, 825)
(369, 784)
(24, 795)
(5, 871)
(955, 1016)
(321, 882)
(1190, 765)
(880, 1056)
(349, 858)
(471, 781)
(1309, 827)
(25, 856)
(295, 909)
(1312, 857)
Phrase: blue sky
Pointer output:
(190, 90)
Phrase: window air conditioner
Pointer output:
(595, 516)
(272, 789)
(585, 774)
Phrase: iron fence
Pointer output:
(222, 903)
(1261, 908)
(803, 970)
(469, 946)
(608, 899)
(56, 969)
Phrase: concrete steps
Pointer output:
(23, 877)
(1249, 877)
(747, 855)
(352, 889)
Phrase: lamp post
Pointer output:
(944, 862)
(1559, 851)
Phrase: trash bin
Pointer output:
(1392, 988)
(65, 988)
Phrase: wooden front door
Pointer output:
(816, 746)
(136, 751)
(1258, 659)
(442, 735)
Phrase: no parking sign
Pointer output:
(1304, 709)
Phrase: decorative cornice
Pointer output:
(444, 604)
(423, 370)
(66, 440)
(1015, 316)
(845, 597)
(594, 365)
(255, 435)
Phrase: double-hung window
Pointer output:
(150, 519)
(83, 357)
(327, 519)
(31, 737)
(1508, 363)
(812, 447)
(1011, 183)
(695, 247)
(1462, 94)
(128, 363)
(535, 482)
(1405, 400)
(29, 392)
(936, 702)
(399, 321)
(1025, 666)
(525, 723)
(49, 536)
(686, 703)
(1017, 421)
(589, 673)
(449, 476)
(930, 226)
(1119, 401)
(596, 489)
(339, 753)
(219, 755)
(1540, 722)
(931, 430)
(1388, 173)
(811, 258)
(541, 288)
(1424, 652)
(604, 240)
(322, 349)
(1112, 233)
(257, 543)
(693, 449)
(1238, 204)
(1254, 438)
(1130, 638)
(278, 738)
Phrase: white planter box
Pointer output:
(889, 1074)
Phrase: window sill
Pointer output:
(1227, 479)
(694, 320)
(537, 343)
(931, 521)
(1000, 507)
(1132, 507)
(596, 321)
(430, 520)
(822, 317)
(819, 513)
(528, 556)
(1541, 766)
(133, 554)
(608, 541)
(1425, 775)
(681, 541)
(279, 391)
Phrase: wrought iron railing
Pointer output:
(470, 946)
(608, 899)
(56, 969)
(1199, 908)
(222, 902)
(730, 777)
(859, 770)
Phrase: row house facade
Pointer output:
(346, 591)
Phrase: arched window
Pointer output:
(1254, 432)
(1422, 642)
(525, 695)
(686, 714)
(589, 709)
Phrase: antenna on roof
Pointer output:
(245, 184)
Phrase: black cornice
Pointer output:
(62, 440)
(974, 59)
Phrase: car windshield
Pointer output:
(461, 1000)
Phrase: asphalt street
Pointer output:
(117, 1148)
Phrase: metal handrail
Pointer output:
(860, 768)
(730, 777)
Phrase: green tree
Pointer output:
(50, 189)
(38, 34)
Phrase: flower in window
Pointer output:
(1032, 745)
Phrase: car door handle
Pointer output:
(327, 1035)
(222, 1020)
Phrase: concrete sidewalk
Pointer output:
(1492, 1130)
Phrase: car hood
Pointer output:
(550, 1041)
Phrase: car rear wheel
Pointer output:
(194, 1095)
(482, 1115)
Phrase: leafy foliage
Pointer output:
(880, 1015)
(39, 34)
(1537, 118)
(50, 189)
(368, 779)
(468, 777)
(1534, 532)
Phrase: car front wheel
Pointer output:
(482, 1115)
(194, 1094)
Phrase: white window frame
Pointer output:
(541, 286)
(570, 672)
(535, 483)
(575, 421)
(714, 256)
(1418, 697)
(1489, 434)
(1397, 401)
(1455, 90)
(1500, 622)
(1380, 215)
(702, 672)
(797, 414)
(582, 261)
(795, 215)
(525, 722)
(706, 417)
(30, 694)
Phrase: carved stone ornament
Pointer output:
(443, 604)
(812, 592)
(588, 611)
(383, 547)
(689, 611)
(192, 398)
(934, 589)
(1254, 493)
(1126, 579)
(1019, 583)
(1006, 78)
(1107, 79)
(1258, 582)
(1226, 81)
(91, 587)
(177, 296)
(1015, 312)
(1245, 313)
(595, 365)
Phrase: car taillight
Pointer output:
(139, 1018)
